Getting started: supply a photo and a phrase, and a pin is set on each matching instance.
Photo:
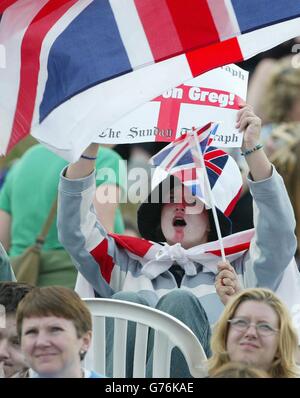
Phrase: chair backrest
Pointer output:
(169, 333)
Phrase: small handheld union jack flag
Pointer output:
(177, 159)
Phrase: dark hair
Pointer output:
(149, 213)
(11, 293)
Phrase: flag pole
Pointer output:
(210, 195)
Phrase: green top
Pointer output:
(31, 186)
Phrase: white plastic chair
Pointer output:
(169, 332)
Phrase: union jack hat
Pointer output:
(149, 212)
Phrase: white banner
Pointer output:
(211, 97)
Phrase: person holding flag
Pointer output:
(174, 268)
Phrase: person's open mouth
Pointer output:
(179, 222)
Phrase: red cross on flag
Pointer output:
(215, 95)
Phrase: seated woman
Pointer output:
(255, 329)
(55, 329)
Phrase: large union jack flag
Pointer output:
(179, 159)
(74, 67)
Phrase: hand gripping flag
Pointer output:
(223, 172)
(74, 67)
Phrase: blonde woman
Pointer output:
(256, 329)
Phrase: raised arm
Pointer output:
(83, 167)
(95, 253)
(274, 243)
(259, 165)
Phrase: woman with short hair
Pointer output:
(55, 329)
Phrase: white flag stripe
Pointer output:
(12, 29)
(222, 18)
(220, 189)
(268, 37)
(232, 16)
(135, 41)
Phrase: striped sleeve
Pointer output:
(274, 243)
(95, 254)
